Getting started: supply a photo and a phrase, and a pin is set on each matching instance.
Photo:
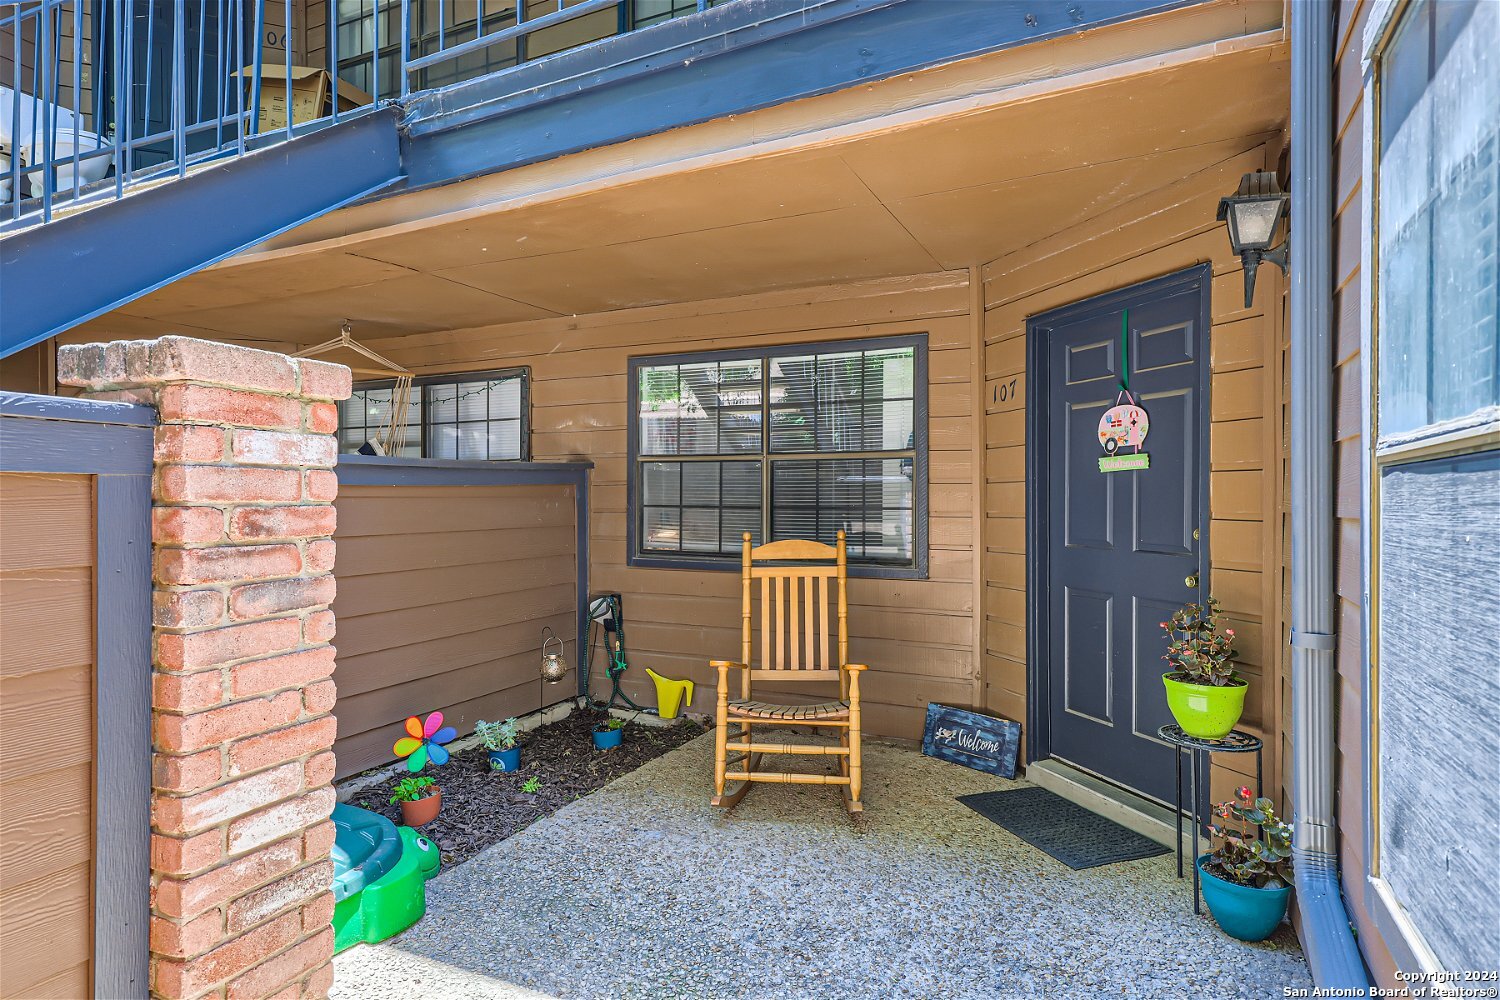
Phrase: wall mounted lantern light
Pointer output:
(1253, 213)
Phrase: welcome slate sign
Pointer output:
(973, 740)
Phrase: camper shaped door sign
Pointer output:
(1123, 426)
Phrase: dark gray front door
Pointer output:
(1120, 551)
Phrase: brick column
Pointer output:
(242, 689)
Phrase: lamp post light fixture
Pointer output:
(1253, 213)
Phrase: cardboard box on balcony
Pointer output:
(312, 90)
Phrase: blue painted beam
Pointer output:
(55, 276)
(730, 59)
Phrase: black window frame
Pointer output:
(635, 556)
(453, 378)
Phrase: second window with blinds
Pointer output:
(785, 442)
(479, 417)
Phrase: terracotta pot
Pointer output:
(422, 811)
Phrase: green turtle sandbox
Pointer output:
(380, 874)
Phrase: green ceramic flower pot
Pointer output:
(1203, 710)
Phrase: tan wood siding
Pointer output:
(1164, 232)
(46, 735)
(443, 592)
(917, 636)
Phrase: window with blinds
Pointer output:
(792, 442)
(480, 417)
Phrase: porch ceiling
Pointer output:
(916, 196)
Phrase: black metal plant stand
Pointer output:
(1198, 751)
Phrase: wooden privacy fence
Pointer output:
(75, 696)
(447, 574)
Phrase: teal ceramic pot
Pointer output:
(1244, 911)
(505, 760)
(608, 739)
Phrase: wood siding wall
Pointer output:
(443, 592)
(917, 636)
(1349, 442)
(1165, 232)
(46, 735)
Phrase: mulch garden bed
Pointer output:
(483, 807)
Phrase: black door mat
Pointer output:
(1068, 832)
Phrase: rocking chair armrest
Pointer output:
(726, 664)
(855, 667)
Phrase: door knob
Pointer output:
(1192, 581)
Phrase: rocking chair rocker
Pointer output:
(795, 630)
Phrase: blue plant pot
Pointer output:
(505, 760)
(1244, 911)
(608, 739)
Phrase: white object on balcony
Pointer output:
(26, 136)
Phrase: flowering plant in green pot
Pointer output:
(1247, 877)
(1204, 692)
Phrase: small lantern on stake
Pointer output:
(554, 668)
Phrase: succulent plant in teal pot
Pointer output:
(500, 743)
(1247, 877)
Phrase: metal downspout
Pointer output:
(1331, 952)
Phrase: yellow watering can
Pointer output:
(671, 695)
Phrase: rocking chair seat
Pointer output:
(739, 709)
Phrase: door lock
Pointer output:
(1192, 581)
(1195, 534)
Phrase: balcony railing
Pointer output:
(99, 96)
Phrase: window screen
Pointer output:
(478, 418)
(788, 443)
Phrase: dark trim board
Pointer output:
(1038, 569)
(111, 442)
(731, 563)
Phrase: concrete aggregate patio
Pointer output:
(643, 890)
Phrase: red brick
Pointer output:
(251, 447)
(256, 600)
(190, 813)
(187, 773)
(187, 692)
(320, 697)
(317, 841)
(186, 525)
(189, 443)
(317, 985)
(185, 733)
(322, 418)
(321, 485)
(310, 521)
(192, 937)
(291, 992)
(184, 567)
(189, 897)
(183, 855)
(325, 380)
(188, 979)
(212, 405)
(210, 483)
(288, 967)
(295, 889)
(319, 556)
(317, 913)
(281, 819)
(294, 670)
(318, 627)
(195, 650)
(319, 770)
(187, 608)
(187, 359)
(291, 743)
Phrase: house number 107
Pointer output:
(1005, 391)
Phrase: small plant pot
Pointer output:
(1244, 911)
(505, 760)
(608, 739)
(1205, 711)
(422, 811)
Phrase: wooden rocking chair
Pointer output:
(795, 626)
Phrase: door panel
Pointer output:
(1118, 550)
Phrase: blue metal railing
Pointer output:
(98, 96)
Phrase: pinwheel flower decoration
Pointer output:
(424, 741)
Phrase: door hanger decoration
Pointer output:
(1125, 424)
